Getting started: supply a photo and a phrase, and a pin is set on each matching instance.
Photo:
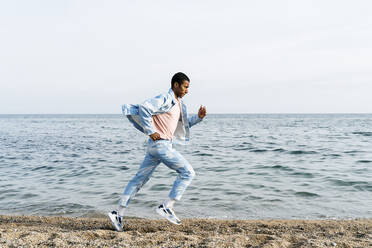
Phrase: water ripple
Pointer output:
(363, 133)
(301, 152)
(306, 194)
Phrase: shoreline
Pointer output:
(57, 231)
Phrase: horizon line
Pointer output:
(281, 113)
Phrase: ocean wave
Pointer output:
(340, 182)
(303, 174)
(202, 154)
(301, 152)
(363, 133)
(279, 150)
(364, 161)
(259, 150)
(306, 194)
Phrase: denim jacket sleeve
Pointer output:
(149, 108)
(194, 119)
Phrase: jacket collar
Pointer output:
(171, 93)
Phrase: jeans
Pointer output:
(160, 151)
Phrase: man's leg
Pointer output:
(175, 161)
(164, 152)
(144, 172)
(135, 184)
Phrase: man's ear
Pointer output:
(176, 84)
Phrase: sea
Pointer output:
(248, 166)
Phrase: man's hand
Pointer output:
(202, 112)
(155, 136)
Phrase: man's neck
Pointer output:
(175, 95)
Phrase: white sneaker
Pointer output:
(116, 220)
(168, 213)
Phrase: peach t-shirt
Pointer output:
(165, 124)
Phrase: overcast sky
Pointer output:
(72, 56)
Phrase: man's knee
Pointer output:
(189, 173)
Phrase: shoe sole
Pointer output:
(113, 222)
(161, 213)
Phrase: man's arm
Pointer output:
(199, 117)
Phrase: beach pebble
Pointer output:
(330, 244)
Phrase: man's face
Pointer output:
(180, 90)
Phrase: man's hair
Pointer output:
(179, 77)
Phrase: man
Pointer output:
(161, 118)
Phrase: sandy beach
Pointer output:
(35, 231)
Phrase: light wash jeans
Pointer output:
(160, 151)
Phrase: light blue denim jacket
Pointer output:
(140, 115)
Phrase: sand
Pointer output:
(34, 231)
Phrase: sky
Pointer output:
(268, 56)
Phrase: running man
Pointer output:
(162, 118)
